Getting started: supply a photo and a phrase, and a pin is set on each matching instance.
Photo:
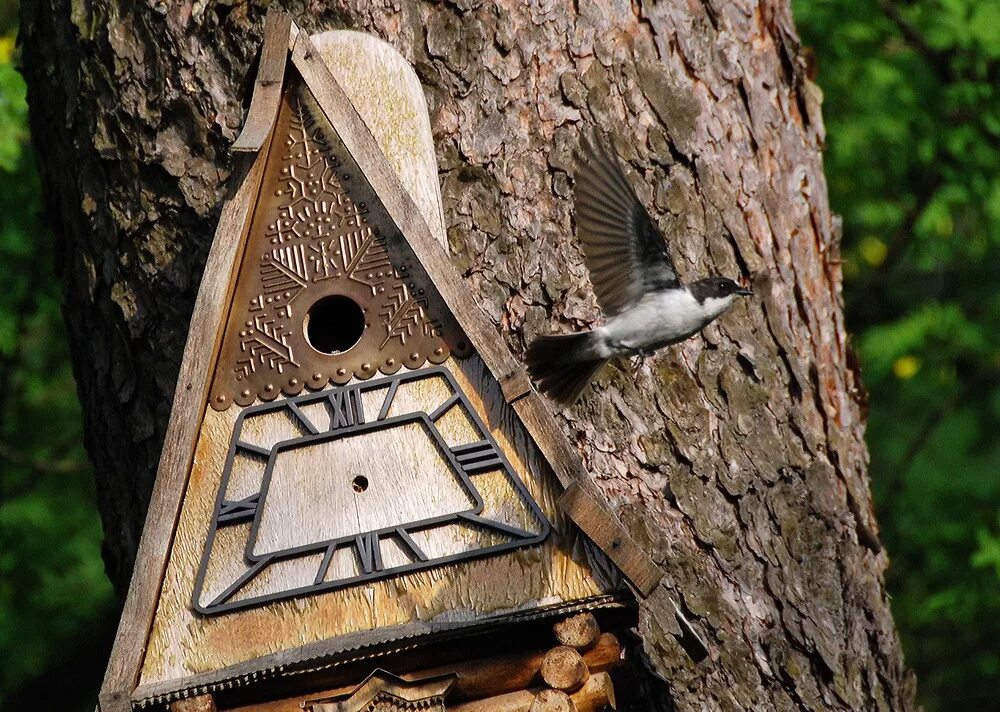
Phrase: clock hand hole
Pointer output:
(359, 484)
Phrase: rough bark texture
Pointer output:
(737, 457)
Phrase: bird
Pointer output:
(644, 303)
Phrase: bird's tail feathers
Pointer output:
(563, 364)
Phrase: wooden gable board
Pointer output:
(580, 499)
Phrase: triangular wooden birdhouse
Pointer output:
(357, 473)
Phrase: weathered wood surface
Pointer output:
(386, 692)
(451, 295)
(266, 96)
(182, 433)
(596, 695)
(388, 96)
(552, 701)
(210, 311)
(736, 458)
(183, 644)
(593, 518)
(201, 703)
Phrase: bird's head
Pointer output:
(716, 294)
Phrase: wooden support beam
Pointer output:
(515, 385)
(563, 668)
(552, 701)
(266, 95)
(593, 517)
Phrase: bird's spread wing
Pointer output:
(625, 253)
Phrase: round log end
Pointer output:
(563, 668)
(552, 701)
(579, 631)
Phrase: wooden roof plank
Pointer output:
(266, 97)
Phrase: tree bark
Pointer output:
(737, 457)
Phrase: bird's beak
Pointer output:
(744, 292)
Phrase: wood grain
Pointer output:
(481, 678)
(385, 692)
(385, 91)
(563, 668)
(312, 497)
(201, 703)
(596, 695)
(208, 645)
(607, 532)
(552, 701)
(556, 571)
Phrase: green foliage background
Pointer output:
(54, 596)
(913, 120)
(912, 108)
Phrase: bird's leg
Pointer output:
(639, 360)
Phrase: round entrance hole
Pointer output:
(359, 484)
(334, 324)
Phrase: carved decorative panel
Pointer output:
(385, 692)
(311, 239)
(356, 483)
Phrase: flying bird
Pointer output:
(634, 279)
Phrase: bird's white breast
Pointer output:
(663, 318)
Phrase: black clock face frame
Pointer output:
(464, 462)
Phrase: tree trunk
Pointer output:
(736, 457)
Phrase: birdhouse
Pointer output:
(361, 502)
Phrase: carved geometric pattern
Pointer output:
(384, 692)
(357, 483)
(310, 239)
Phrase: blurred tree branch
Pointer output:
(940, 62)
(41, 465)
(23, 310)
